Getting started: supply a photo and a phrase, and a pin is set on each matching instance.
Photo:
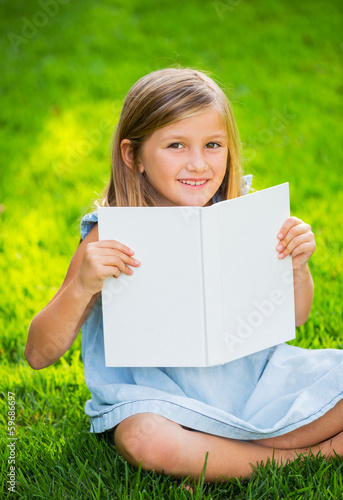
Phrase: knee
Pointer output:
(148, 440)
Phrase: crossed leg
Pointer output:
(164, 446)
(316, 432)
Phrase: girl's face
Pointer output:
(186, 161)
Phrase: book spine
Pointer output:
(203, 286)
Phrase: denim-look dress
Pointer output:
(262, 395)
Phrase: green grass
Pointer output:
(61, 92)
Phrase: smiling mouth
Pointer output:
(193, 183)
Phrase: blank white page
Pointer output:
(256, 286)
(155, 316)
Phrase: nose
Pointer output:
(196, 161)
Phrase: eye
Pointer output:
(175, 145)
(212, 145)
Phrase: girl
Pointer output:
(176, 144)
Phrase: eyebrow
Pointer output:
(216, 135)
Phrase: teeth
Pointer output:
(191, 183)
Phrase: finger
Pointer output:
(305, 248)
(115, 272)
(294, 231)
(287, 248)
(115, 261)
(292, 221)
(112, 244)
(110, 252)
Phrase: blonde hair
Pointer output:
(159, 99)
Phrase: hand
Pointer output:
(102, 259)
(297, 240)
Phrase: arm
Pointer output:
(54, 329)
(303, 294)
(297, 240)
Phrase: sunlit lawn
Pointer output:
(65, 70)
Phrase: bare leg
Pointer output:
(164, 446)
(316, 432)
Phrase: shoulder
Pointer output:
(246, 184)
(87, 223)
(89, 234)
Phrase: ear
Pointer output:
(127, 155)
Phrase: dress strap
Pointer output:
(246, 184)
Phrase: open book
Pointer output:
(210, 287)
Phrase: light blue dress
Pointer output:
(266, 394)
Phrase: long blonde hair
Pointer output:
(158, 99)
